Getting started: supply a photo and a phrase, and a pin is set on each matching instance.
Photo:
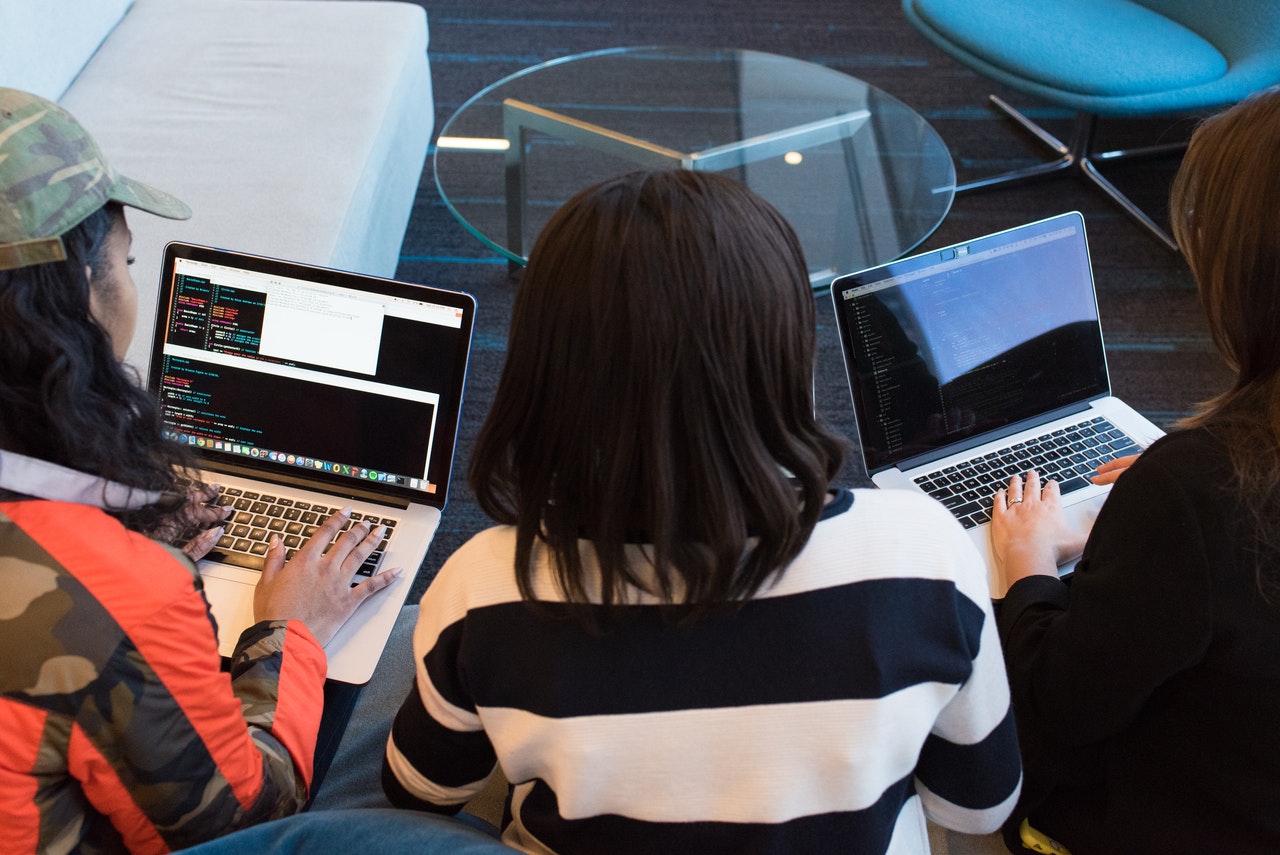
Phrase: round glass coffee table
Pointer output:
(861, 177)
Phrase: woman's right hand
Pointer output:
(1030, 534)
(315, 586)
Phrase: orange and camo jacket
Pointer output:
(119, 730)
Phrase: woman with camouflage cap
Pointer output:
(117, 727)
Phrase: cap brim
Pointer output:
(144, 197)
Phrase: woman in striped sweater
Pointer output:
(681, 638)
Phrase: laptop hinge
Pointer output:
(991, 436)
(306, 484)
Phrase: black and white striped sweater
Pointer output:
(859, 693)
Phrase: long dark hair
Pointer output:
(1225, 213)
(658, 388)
(64, 397)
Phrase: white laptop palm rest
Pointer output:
(301, 391)
(982, 359)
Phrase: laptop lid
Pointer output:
(958, 346)
(320, 378)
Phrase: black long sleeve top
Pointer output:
(1147, 691)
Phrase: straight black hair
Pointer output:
(658, 389)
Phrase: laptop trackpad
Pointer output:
(231, 604)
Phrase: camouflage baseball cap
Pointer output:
(52, 176)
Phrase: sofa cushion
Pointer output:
(293, 128)
(28, 29)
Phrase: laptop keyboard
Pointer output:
(257, 516)
(1069, 456)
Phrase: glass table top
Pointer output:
(862, 178)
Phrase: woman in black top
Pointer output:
(1147, 691)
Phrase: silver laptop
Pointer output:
(304, 390)
(977, 360)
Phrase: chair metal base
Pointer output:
(1079, 158)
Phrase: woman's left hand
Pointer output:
(198, 527)
(203, 543)
(1111, 470)
(1030, 534)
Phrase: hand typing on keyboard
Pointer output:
(1069, 455)
(315, 585)
(197, 529)
(1030, 533)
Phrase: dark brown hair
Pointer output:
(658, 388)
(65, 398)
(1225, 212)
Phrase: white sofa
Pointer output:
(293, 128)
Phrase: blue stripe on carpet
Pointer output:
(530, 22)
(489, 341)
(868, 61)
(501, 200)
(1164, 418)
(473, 58)
(1140, 341)
(453, 259)
(985, 112)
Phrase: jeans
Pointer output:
(381, 830)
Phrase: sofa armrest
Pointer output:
(45, 43)
(293, 128)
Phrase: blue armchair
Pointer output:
(1108, 58)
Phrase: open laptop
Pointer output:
(304, 390)
(984, 358)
